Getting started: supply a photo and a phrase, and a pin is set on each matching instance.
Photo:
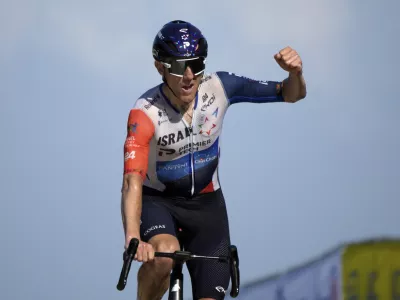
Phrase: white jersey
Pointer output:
(178, 158)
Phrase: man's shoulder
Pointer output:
(211, 80)
(218, 78)
(148, 98)
(210, 77)
(149, 102)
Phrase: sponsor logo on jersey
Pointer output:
(215, 113)
(206, 78)
(172, 138)
(166, 151)
(204, 160)
(173, 167)
(162, 113)
(185, 149)
(133, 127)
(206, 127)
(209, 102)
(151, 101)
(131, 142)
(163, 116)
(193, 146)
(250, 79)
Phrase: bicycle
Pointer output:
(180, 257)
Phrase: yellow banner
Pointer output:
(371, 271)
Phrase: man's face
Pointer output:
(185, 87)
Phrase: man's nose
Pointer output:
(188, 75)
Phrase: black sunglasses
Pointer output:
(177, 67)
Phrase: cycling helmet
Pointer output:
(179, 39)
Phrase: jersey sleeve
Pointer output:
(140, 130)
(242, 89)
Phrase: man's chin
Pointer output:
(187, 98)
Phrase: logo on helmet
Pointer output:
(155, 52)
(160, 35)
(179, 39)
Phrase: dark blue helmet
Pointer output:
(179, 39)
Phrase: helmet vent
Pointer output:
(172, 45)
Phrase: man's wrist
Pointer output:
(296, 73)
(130, 236)
(133, 229)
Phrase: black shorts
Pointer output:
(204, 222)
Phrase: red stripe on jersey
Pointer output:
(208, 189)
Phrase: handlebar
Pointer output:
(130, 254)
(183, 256)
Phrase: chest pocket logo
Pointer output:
(208, 123)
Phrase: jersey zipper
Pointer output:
(191, 150)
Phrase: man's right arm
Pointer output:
(131, 206)
(140, 130)
(241, 89)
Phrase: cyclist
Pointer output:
(171, 158)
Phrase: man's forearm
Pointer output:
(294, 88)
(131, 208)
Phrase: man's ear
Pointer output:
(159, 66)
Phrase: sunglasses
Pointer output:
(177, 67)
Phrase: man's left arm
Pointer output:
(294, 86)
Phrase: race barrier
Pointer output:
(365, 270)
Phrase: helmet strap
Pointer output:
(166, 83)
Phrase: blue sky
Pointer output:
(298, 178)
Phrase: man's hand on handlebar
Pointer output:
(144, 253)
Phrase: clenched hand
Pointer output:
(144, 253)
(289, 60)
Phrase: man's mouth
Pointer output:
(187, 88)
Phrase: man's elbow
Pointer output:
(132, 183)
(294, 99)
(301, 95)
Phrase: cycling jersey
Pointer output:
(177, 158)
